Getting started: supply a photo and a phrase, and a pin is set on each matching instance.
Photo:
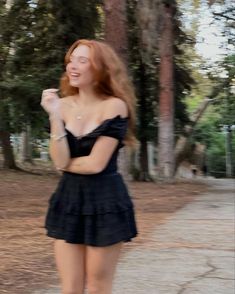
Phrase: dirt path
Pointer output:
(26, 253)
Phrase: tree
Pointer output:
(116, 26)
(224, 13)
(34, 38)
(5, 138)
(144, 32)
(184, 141)
(116, 36)
(5, 127)
(143, 17)
(166, 162)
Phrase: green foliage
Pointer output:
(222, 112)
(34, 37)
(216, 156)
(144, 77)
(144, 66)
(208, 126)
(216, 82)
(209, 131)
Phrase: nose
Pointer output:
(74, 65)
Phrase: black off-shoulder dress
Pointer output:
(94, 209)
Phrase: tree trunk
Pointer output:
(26, 148)
(166, 100)
(148, 18)
(116, 26)
(144, 167)
(116, 36)
(8, 155)
(182, 143)
(229, 165)
(5, 142)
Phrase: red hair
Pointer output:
(111, 79)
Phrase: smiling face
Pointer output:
(79, 69)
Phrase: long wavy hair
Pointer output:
(111, 79)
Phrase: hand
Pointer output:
(50, 101)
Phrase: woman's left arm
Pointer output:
(97, 160)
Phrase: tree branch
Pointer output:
(224, 16)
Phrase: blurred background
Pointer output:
(180, 56)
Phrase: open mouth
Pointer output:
(75, 75)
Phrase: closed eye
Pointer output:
(83, 59)
(80, 59)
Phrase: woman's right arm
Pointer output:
(58, 145)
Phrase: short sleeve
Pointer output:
(115, 127)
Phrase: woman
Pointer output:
(90, 213)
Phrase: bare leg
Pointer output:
(70, 261)
(100, 267)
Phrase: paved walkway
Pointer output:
(193, 252)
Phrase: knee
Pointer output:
(95, 289)
(70, 291)
(99, 282)
(94, 286)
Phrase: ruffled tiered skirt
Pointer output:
(94, 210)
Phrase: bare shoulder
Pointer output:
(115, 106)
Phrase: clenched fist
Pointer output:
(50, 101)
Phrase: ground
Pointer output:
(26, 254)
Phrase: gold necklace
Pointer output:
(77, 116)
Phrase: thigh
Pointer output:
(70, 262)
(101, 263)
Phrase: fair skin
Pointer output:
(78, 263)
